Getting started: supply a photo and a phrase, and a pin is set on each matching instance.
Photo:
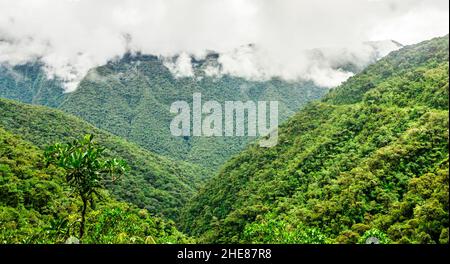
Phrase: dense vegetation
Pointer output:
(156, 183)
(131, 98)
(370, 159)
(36, 206)
(29, 83)
(86, 170)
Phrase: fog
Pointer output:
(70, 37)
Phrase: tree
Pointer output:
(85, 169)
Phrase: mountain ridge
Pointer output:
(154, 182)
(370, 159)
(36, 205)
(130, 97)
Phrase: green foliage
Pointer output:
(85, 169)
(270, 230)
(372, 155)
(36, 205)
(84, 166)
(156, 183)
(29, 83)
(118, 226)
(381, 237)
(369, 160)
(131, 98)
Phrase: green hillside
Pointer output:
(156, 183)
(29, 83)
(131, 98)
(371, 159)
(36, 206)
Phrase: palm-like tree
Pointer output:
(85, 169)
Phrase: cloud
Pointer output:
(326, 67)
(71, 37)
(181, 66)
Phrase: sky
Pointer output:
(73, 36)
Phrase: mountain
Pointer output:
(29, 83)
(368, 160)
(36, 205)
(154, 182)
(131, 98)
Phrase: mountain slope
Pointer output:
(28, 83)
(154, 182)
(131, 98)
(36, 205)
(370, 159)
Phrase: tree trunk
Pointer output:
(83, 214)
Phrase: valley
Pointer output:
(368, 158)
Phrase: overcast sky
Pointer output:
(72, 36)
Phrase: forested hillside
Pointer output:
(370, 159)
(239, 122)
(37, 206)
(131, 98)
(156, 183)
(29, 83)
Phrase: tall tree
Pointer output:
(86, 169)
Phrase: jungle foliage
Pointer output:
(38, 206)
(370, 159)
(156, 183)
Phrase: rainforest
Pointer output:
(365, 159)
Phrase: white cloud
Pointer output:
(323, 66)
(181, 67)
(73, 36)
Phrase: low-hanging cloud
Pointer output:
(72, 36)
